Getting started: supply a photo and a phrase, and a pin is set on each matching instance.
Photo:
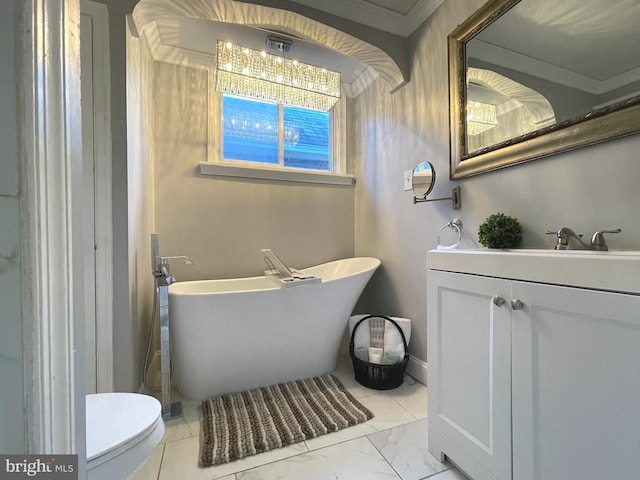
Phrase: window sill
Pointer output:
(299, 176)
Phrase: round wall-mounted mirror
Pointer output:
(423, 180)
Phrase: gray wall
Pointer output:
(587, 189)
(12, 417)
(221, 222)
(316, 225)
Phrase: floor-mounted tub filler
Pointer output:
(236, 334)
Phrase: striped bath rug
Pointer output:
(238, 425)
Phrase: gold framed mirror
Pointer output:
(532, 78)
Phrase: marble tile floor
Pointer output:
(391, 446)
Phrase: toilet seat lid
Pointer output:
(114, 419)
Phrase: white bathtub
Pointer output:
(235, 334)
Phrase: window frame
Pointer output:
(218, 166)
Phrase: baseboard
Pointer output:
(417, 369)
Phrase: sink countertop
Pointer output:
(617, 271)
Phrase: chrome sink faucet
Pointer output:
(570, 240)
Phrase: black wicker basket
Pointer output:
(374, 375)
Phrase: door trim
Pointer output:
(50, 141)
(103, 215)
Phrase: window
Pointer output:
(285, 147)
(277, 135)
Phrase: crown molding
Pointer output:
(256, 16)
(375, 16)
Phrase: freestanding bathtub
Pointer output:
(236, 334)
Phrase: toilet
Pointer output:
(122, 431)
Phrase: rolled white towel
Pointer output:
(392, 338)
(362, 338)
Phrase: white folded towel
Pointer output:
(392, 339)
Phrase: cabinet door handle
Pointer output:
(517, 304)
(498, 300)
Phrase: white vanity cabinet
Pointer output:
(575, 384)
(545, 386)
(469, 372)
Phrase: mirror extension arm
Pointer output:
(455, 198)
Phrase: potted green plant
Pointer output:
(500, 231)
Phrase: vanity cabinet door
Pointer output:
(469, 358)
(576, 384)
